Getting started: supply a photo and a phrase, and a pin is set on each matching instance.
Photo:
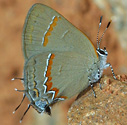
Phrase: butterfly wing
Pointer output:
(57, 57)
(53, 75)
(46, 30)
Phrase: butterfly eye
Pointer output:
(102, 52)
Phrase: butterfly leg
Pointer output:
(91, 84)
(99, 78)
(109, 65)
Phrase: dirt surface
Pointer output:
(85, 15)
(109, 107)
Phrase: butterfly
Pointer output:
(60, 61)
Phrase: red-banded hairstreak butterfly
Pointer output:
(60, 61)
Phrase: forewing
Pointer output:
(46, 30)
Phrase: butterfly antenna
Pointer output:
(99, 31)
(104, 32)
(24, 95)
(17, 78)
(25, 112)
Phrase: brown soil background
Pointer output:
(85, 15)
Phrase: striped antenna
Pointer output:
(104, 32)
(99, 31)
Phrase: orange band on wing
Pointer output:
(56, 91)
(49, 79)
(52, 56)
(48, 71)
(49, 30)
(49, 67)
(49, 85)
